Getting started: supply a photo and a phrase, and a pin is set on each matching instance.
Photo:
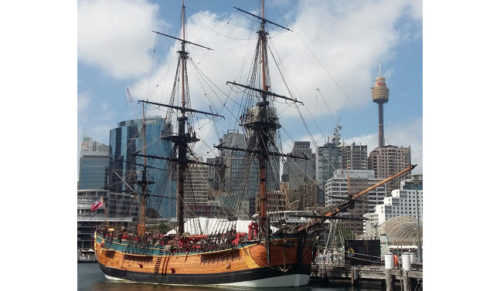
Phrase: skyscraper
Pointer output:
(216, 173)
(354, 157)
(389, 160)
(241, 170)
(126, 140)
(298, 172)
(94, 164)
(196, 186)
(329, 159)
(299, 176)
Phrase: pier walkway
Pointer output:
(352, 275)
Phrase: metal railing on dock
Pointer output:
(408, 276)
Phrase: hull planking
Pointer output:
(245, 265)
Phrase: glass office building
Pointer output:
(126, 169)
(94, 163)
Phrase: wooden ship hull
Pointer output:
(244, 265)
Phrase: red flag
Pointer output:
(96, 205)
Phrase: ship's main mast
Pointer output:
(182, 138)
(262, 123)
(263, 138)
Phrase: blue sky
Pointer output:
(331, 57)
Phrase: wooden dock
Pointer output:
(373, 274)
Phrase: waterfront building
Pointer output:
(354, 157)
(94, 164)
(328, 159)
(405, 201)
(118, 209)
(126, 168)
(343, 183)
(390, 160)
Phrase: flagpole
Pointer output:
(105, 213)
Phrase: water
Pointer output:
(91, 278)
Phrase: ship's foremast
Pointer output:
(183, 138)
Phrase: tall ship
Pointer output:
(270, 253)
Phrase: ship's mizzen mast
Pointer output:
(141, 226)
(142, 220)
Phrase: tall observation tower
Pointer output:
(380, 95)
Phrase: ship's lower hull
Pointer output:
(243, 266)
(261, 277)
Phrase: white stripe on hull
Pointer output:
(294, 280)
(116, 279)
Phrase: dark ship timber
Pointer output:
(258, 258)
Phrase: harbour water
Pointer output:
(91, 278)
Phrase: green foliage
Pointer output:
(165, 227)
(343, 234)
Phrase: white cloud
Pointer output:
(205, 131)
(83, 102)
(207, 29)
(115, 35)
(409, 134)
(94, 120)
(349, 38)
(416, 8)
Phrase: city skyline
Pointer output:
(342, 63)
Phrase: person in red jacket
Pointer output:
(396, 261)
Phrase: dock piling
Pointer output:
(389, 265)
(354, 275)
